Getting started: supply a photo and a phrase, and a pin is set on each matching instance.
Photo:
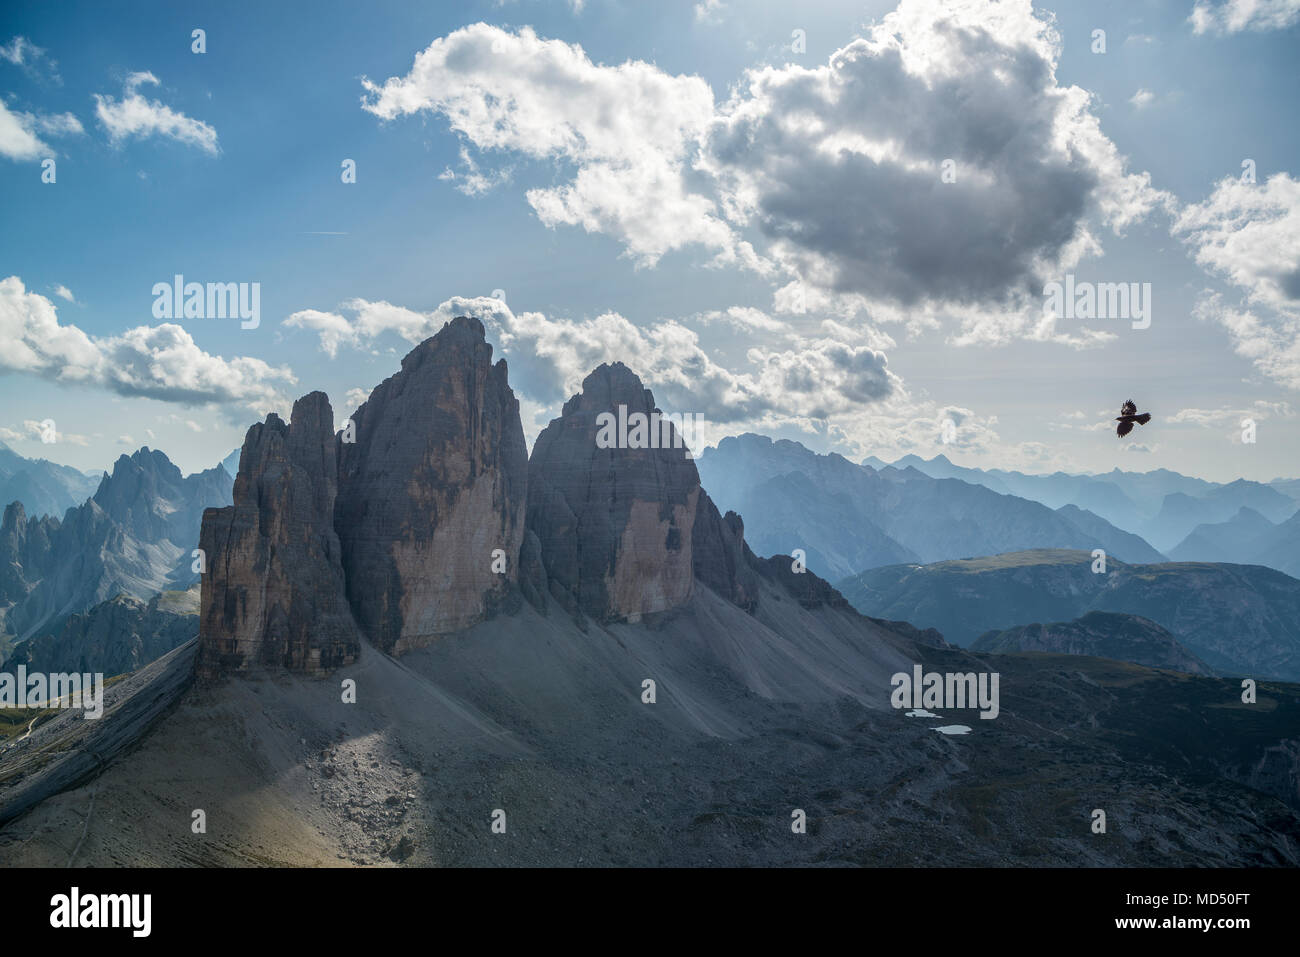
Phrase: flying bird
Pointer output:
(1128, 414)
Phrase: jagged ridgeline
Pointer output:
(425, 516)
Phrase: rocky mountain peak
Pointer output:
(273, 594)
(614, 511)
(432, 492)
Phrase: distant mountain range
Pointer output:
(847, 517)
(133, 536)
(1247, 538)
(1169, 510)
(114, 637)
(1238, 619)
(43, 487)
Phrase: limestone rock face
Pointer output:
(720, 558)
(615, 523)
(434, 484)
(24, 546)
(273, 594)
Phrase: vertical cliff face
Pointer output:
(614, 518)
(273, 593)
(433, 485)
(720, 558)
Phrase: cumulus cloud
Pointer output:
(1142, 98)
(841, 166)
(627, 130)
(157, 362)
(355, 397)
(19, 139)
(549, 358)
(1233, 16)
(1249, 234)
(134, 115)
(63, 292)
(838, 168)
(1270, 340)
(828, 384)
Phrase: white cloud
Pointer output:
(549, 358)
(827, 385)
(628, 131)
(1270, 340)
(1233, 16)
(1249, 234)
(54, 124)
(333, 329)
(1260, 410)
(34, 61)
(838, 167)
(1142, 98)
(42, 431)
(17, 141)
(63, 292)
(709, 11)
(135, 116)
(18, 132)
(841, 165)
(743, 318)
(158, 362)
(471, 180)
(904, 425)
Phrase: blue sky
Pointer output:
(654, 184)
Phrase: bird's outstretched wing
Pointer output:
(1128, 408)
(1123, 429)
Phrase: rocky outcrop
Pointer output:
(273, 594)
(806, 588)
(615, 523)
(720, 558)
(116, 636)
(1101, 635)
(432, 492)
(24, 548)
